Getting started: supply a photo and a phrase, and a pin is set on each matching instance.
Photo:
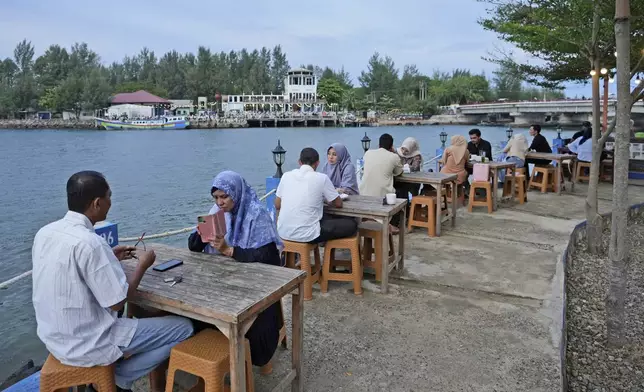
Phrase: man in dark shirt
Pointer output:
(478, 146)
(539, 144)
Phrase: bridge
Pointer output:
(560, 112)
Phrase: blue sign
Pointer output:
(271, 183)
(109, 231)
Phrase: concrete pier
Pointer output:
(477, 309)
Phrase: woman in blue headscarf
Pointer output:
(250, 237)
(339, 168)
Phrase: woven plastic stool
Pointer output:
(55, 376)
(355, 276)
(312, 270)
(371, 232)
(423, 214)
(206, 355)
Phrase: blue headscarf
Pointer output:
(250, 226)
(343, 172)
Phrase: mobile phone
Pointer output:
(168, 265)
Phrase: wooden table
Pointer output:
(559, 158)
(437, 180)
(372, 208)
(495, 167)
(229, 295)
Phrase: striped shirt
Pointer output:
(76, 278)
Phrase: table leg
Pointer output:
(384, 268)
(401, 240)
(574, 174)
(454, 201)
(558, 174)
(237, 358)
(495, 188)
(297, 385)
(439, 203)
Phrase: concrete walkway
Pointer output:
(478, 309)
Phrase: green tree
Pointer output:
(51, 67)
(381, 76)
(24, 92)
(331, 90)
(570, 38)
(96, 90)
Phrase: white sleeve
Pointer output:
(105, 277)
(574, 146)
(279, 190)
(330, 193)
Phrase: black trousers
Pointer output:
(334, 227)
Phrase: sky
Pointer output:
(432, 34)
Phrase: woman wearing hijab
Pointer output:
(455, 158)
(340, 170)
(516, 149)
(409, 153)
(250, 237)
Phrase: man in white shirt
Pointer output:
(380, 168)
(79, 287)
(300, 199)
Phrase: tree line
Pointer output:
(75, 79)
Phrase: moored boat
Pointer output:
(165, 122)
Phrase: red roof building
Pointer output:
(140, 97)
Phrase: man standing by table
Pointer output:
(79, 287)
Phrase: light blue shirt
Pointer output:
(584, 152)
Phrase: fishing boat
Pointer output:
(164, 122)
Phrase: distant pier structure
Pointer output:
(298, 106)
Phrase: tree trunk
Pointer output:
(594, 221)
(618, 251)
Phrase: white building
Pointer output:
(300, 95)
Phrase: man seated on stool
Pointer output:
(380, 168)
(79, 287)
(300, 199)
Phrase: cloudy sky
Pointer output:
(429, 33)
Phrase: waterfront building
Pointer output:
(182, 107)
(300, 95)
(143, 98)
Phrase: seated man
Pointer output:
(539, 144)
(380, 168)
(79, 287)
(478, 146)
(300, 199)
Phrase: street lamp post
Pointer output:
(559, 132)
(366, 143)
(509, 132)
(443, 136)
(279, 155)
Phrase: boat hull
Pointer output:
(119, 125)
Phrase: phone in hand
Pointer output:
(168, 265)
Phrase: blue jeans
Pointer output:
(150, 346)
(518, 161)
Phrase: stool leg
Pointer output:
(305, 265)
(326, 270)
(282, 337)
(469, 205)
(356, 268)
(318, 263)
(367, 249)
(431, 219)
(169, 384)
(490, 207)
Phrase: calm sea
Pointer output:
(160, 181)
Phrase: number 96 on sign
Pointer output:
(109, 232)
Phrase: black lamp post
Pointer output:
(366, 142)
(279, 154)
(443, 136)
(508, 133)
(559, 132)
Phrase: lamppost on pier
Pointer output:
(509, 132)
(366, 143)
(443, 136)
(559, 132)
(279, 156)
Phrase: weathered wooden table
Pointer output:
(495, 168)
(372, 208)
(559, 158)
(229, 295)
(437, 180)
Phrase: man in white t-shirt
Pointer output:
(300, 199)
